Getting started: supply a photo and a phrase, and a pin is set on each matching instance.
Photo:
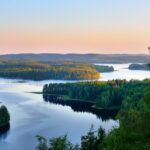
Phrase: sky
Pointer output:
(74, 26)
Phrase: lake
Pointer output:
(122, 72)
(31, 115)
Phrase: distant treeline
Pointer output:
(35, 70)
(139, 67)
(104, 68)
(84, 58)
(110, 94)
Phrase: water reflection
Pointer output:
(4, 132)
(81, 106)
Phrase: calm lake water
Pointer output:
(31, 115)
(122, 72)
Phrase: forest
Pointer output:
(63, 70)
(106, 95)
(134, 116)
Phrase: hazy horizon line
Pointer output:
(77, 53)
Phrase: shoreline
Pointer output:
(78, 100)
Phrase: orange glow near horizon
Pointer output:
(74, 26)
(76, 41)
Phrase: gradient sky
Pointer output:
(74, 26)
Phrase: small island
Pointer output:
(139, 67)
(4, 119)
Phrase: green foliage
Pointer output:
(43, 145)
(93, 140)
(108, 94)
(47, 70)
(134, 130)
(59, 143)
(4, 116)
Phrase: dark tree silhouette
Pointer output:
(149, 49)
(4, 119)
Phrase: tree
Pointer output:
(59, 143)
(88, 142)
(4, 117)
(42, 143)
(149, 53)
(149, 49)
(93, 140)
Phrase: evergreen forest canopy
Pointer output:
(62, 70)
(104, 94)
(134, 117)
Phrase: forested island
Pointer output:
(4, 119)
(133, 99)
(40, 71)
(62, 70)
(139, 67)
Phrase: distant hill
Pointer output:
(91, 58)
